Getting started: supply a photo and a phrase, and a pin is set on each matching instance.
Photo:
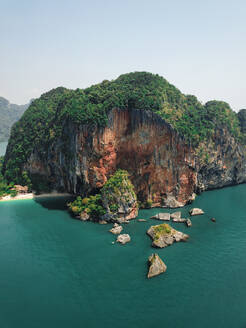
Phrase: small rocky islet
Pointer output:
(163, 235)
(156, 266)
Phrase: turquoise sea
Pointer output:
(59, 272)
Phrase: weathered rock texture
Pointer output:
(119, 198)
(123, 239)
(162, 216)
(163, 235)
(156, 266)
(158, 160)
(176, 215)
(196, 211)
(188, 223)
(116, 230)
(163, 167)
(226, 164)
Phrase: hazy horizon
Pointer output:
(199, 47)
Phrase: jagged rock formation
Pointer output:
(163, 235)
(196, 211)
(188, 223)
(119, 198)
(116, 230)
(161, 216)
(226, 163)
(156, 266)
(176, 215)
(123, 239)
(116, 202)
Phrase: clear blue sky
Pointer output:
(198, 45)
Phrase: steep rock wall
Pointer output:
(162, 166)
(226, 163)
(160, 163)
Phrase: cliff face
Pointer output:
(226, 164)
(73, 140)
(160, 163)
(162, 166)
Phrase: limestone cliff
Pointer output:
(225, 164)
(158, 160)
(162, 166)
(172, 145)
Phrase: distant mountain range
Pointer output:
(9, 114)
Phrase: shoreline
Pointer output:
(33, 196)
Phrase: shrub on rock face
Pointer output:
(118, 196)
(116, 199)
(91, 205)
(148, 203)
(164, 235)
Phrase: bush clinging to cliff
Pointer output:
(118, 190)
(117, 194)
(91, 205)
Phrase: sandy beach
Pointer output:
(32, 196)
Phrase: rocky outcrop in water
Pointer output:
(176, 215)
(156, 266)
(119, 198)
(161, 216)
(188, 223)
(116, 230)
(123, 239)
(115, 202)
(163, 235)
(179, 220)
(196, 211)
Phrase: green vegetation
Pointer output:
(118, 189)
(199, 123)
(9, 114)
(161, 230)
(32, 131)
(91, 205)
(46, 117)
(5, 188)
(148, 203)
(242, 120)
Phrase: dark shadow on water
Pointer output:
(54, 203)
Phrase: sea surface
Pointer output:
(59, 272)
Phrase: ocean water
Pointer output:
(59, 272)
